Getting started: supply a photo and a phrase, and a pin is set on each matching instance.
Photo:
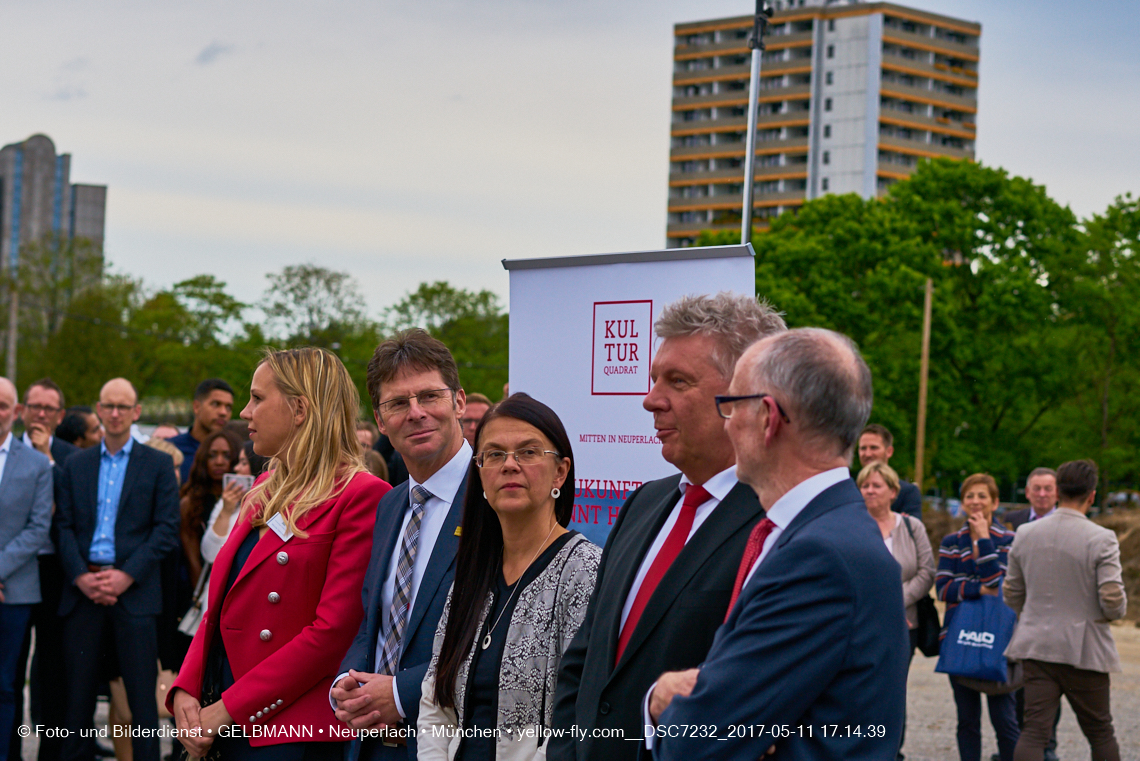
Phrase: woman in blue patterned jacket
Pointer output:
(972, 563)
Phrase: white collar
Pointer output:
(718, 486)
(28, 442)
(797, 498)
(444, 483)
(1033, 516)
(7, 445)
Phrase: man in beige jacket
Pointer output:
(1064, 581)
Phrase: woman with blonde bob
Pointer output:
(905, 538)
(285, 587)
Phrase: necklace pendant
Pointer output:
(487, 641)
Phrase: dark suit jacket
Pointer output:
(674, 631)
(146, 526)
(61, 450)
(909, 500)
(1017, 518)
(817, 638)
(423, 618)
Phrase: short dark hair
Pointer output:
(1076, 480)
(475, 398)
(82, 409)
(1041, 472)
(882, 432)
(210, 385)
(50, 385)
(413, 349)
(73, 427)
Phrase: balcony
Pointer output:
(734, 201)
(687, 52)
(919, 68)
(940, 125)
(721, 176)
(696, 152)
(920, 148)
(740, 98)
(728, 73)
(895, 171)
(694, 229)
(740, 123)
(922, 42)
(922, 95)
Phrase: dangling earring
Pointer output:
(556, 492)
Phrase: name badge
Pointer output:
(277, 523)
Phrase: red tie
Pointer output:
(752, 551)
(674, 543)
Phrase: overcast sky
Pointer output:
(405, 142)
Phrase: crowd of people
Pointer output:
(318, 585)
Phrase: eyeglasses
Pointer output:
(42, 409)
(725, 404)
(497, 458)
(116, 409)
(401, 404)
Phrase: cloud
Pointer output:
(213, 52)
(75, 64)
(68, 92)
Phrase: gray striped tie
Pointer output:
(402, 593)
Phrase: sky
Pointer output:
(408, 142)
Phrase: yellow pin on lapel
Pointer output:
(459, 531)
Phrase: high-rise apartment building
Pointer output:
(852, 95)
(39, 202)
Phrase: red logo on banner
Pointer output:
(623, 340)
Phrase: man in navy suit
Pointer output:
(417, 402)
(117, 517)
(812, 658)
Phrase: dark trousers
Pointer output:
(13, 626)
(1088, 694)
(1003, 716)
(1020, 697)
(88, 629)
(47, 661)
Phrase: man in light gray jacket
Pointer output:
(1065, 583)
(25, 518)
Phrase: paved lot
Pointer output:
(932, 719)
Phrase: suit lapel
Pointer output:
(134, 464)
(270, 542)
(387, 533)
(733, 514)
(442, 558)
(829, 499)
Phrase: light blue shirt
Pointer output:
(112, 470)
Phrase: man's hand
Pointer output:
(669, 685)
(187, 717)
(114, 582)
(89, 585)
(41, 439)
(365, 701)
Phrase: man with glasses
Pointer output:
(41, 412)
(417, 402)
(671, 557)
(117, 516)
(477, 406)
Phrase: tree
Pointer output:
(307, 304)
(473, 326)
(204, 298)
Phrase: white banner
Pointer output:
(582, 342)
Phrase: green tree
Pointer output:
(204, 298)
(472, 324)
(307, 304)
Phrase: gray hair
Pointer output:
(735, 321)
(823, 380)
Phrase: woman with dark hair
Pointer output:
(522, 585)
(225, 512)
(217, 456)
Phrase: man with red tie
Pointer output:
(670, 561)
(812, 657)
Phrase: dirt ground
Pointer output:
(932, 718)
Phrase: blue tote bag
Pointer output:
(976, 638)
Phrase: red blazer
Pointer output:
(289, 618)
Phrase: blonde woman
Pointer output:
(285, 588)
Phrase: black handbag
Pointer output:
(928, 625)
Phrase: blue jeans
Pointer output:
(13, 626)
(1003, 716)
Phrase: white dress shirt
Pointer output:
(443, 484)
(782, 514)
(28, 443)
(718, 488)
(5, 448)
(1033, 516)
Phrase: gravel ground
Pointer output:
(932, 718)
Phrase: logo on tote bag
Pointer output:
(976, 639)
